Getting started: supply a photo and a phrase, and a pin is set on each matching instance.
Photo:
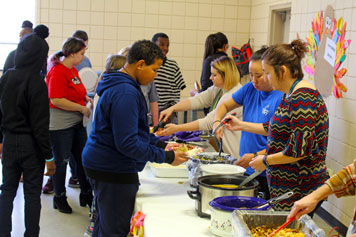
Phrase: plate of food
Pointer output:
(189, 149)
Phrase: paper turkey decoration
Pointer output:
(326, 53)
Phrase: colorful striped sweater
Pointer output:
(343, 183)
(299, 128)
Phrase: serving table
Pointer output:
(169, 211)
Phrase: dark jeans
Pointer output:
(20, 154)
(115, 205)
(66, 142)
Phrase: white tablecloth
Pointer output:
(170, 211)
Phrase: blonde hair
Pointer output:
(114, 61)
(124, 51)
(227, 69)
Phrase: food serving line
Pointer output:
(169, 209)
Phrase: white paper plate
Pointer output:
(211, 169)
(89, 78)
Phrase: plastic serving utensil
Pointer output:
(249, 178)
(282, 226)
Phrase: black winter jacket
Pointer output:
(24, 104)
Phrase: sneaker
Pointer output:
(73, 183)
(48, 188)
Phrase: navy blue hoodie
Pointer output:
(120, 142)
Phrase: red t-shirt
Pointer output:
(63, 82)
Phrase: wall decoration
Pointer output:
(326, 52)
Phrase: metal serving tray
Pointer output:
(243, 221)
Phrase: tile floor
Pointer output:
(56, 224)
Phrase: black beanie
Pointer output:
(27, 24)
(42, 31)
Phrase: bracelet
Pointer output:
(50, 159)
(255, 154)
(217, 121)
(264, 160)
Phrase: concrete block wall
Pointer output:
(114, 24)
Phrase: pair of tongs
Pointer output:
(273, 201)
(222, 123)
(159, 125)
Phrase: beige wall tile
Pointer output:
(124, 19)
(164, 22)
(44, 4)
(205, 10)
(55, 29)
(56, 4)
(96, 45)
(138, 6)
(44, 18)
(138, 20)
(55, 16)
(69, 17)
(151, 21)
(125, 6)
(111, 5)
(110, 32)
(96, 32)
(123, 33)
(110, 47)
(97, 5)
(204, 23)
(68, 30)
(152, 7)
(83, 5)
(218, 10)
(178, 8)
(243, 13)
(83, 17)
(97, 18)
(178, 22)
(231, 12)
(191, 9)
(70, 4)
(165, 8)
(191, 23)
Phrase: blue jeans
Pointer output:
(20, 154)
(66, 142)
(115, 205)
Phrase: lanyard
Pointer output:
(294, 85)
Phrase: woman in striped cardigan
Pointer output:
(342, 184)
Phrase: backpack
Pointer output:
(242, 57)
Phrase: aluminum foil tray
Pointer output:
(243, 221)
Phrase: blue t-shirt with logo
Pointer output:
(258, 107)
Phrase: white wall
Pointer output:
(114, 24)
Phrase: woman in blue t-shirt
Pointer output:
(259, 102)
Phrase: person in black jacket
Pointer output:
(24, 133)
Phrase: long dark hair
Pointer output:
(214, 42)
(71, 45)
(289, 55)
